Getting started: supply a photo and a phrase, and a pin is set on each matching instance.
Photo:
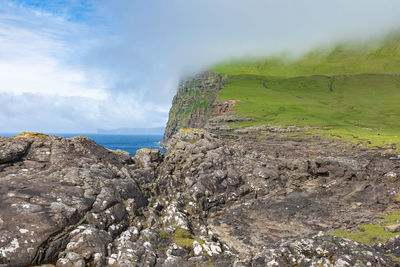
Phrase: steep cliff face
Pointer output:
(193, 104)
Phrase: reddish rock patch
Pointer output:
(223, 108)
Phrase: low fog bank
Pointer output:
(156, 43)
(117, 64)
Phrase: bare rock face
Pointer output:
(321, 251)
(146, 158)
(390, 247)
(61, 196)
(393, 228)
(12, 151)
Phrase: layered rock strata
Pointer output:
(193, 105)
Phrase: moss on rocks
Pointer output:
(184, 238)
(370, 234)
(31, 134)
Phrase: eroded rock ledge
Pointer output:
(210, 200)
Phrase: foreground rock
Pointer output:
(257, 198)
(225, 201)
(62, 198)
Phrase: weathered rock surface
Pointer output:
(393, 228)
(225, 200)
(321, 251)
(259, 198)
(61, 196)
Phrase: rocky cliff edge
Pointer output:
(193, 103)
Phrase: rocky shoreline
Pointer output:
(211, 200)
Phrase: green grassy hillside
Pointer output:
(350, 92)
(379, 57)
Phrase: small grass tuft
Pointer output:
(30, 134)
(392, 218)
(164, 235)
(394, 258)
(373, 233)
(184, 238)
(192, 130)
(182, 233)
(368, 234)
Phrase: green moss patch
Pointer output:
(368, 234)
(164, 235)
(394, 258)
(31, 134)
(373, 233)
(183, 238)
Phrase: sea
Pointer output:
(129, 143)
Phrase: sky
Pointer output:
(75, 66)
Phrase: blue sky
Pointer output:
(76, 66)
(72, 10)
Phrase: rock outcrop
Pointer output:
(231, 200)
(193, 104)
(64, 199)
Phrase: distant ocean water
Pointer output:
(129, 143)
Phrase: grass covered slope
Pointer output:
(346, 93)
(379, 58)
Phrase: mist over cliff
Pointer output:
(158, 43)
(118, 64)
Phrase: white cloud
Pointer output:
(33, 49)
(45, 113)
(158, 42)
(45, 77)
(120, 66)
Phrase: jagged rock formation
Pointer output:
(210, 200)
(192, 106)
(62, 198)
